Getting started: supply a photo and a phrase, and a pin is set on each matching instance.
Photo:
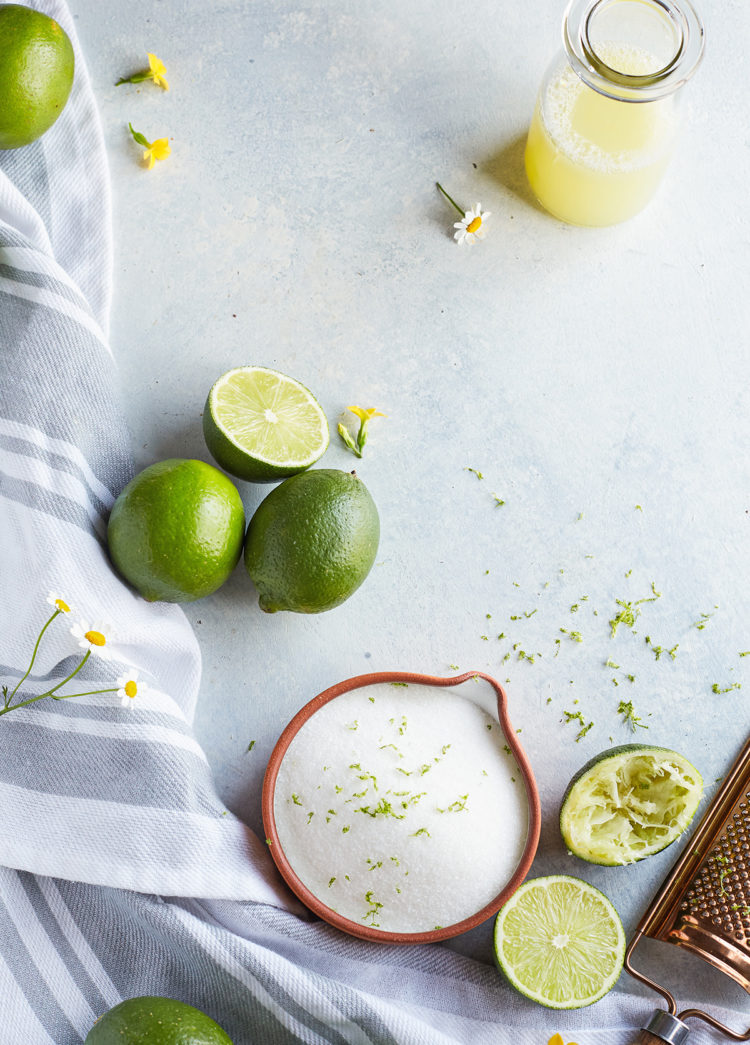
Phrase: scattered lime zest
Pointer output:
(626, 709)
(421, 831)
(331, 881)
(575, 636)
(726, 689)
(577, 716)
(478, 474)
(658, 650)
(630, 611)
(702, 621)
(499, 502)
(250, 746)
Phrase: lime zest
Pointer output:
(626, 709)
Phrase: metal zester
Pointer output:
(704, 905)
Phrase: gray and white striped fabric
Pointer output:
(102, 808)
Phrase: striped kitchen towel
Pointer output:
(102, 807)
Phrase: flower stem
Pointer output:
(50, 692)
(62, 696)
(33, 655)
(450, 199)
(135, 78)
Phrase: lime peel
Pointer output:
(628, 803)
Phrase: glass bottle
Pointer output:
(604, 125)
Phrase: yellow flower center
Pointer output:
(130, 688)
(474, 225)
(95, 638)
(62, 606)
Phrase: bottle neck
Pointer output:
(633, 50)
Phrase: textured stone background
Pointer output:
(296, 225)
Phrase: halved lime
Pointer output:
(560, 942)
(263, 426)
(629, 802)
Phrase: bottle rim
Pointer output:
(594, 71)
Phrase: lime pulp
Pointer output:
(560, 942)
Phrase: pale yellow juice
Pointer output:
(594, 160)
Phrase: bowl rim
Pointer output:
(313, 902)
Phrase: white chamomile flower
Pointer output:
(93, 638)
(471, 226)
(129, 687)
(58, 602)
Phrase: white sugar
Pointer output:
(400, 808)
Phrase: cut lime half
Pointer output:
(560, 942)
(629, 802)
(263, 426)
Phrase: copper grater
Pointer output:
(704, 905)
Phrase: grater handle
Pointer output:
(662, 1028)
(644, 1037)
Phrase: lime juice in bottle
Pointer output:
(605, 121)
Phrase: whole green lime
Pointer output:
(36, 74)
(156, 1021)
(312, 541)
(176, 530)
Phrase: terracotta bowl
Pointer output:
(314, 902)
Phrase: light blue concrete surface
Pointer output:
(597, 378)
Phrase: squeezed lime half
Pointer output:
(560, 942)
(629, 802)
